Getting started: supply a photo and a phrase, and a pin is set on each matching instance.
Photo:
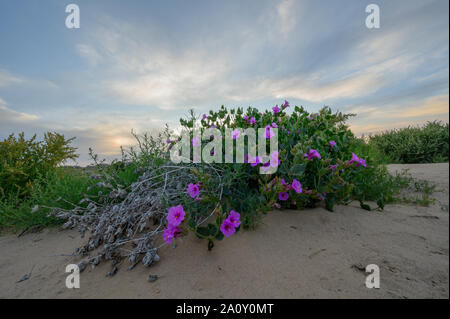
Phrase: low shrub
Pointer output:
(145, 201)
(425, 144)
(23, 161)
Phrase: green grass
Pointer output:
(57, 188)
(64, 187)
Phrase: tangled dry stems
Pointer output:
(126, 223)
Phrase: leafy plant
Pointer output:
(23, 161)
(426, 144)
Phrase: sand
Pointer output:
(294, 254)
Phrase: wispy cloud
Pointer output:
(7, 78)
(10, 116)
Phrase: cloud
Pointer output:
(8, 116)
(7, 78)
(89, 53)
(373, 119)
(287, 19)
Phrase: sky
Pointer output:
(139, 64)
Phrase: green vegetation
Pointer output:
(426, 144)
(33, 183)
(23, 161)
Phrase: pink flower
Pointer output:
(362, 161)
(274, 161)
(234, 218)
(276, 109)
(176, 215)
(283, 196)
(170, 233)
(227, 228)
(269, 132)
(193, 190)
(254, 161)
(333, 143)
(235, 134)
(313, 153)
(297, 186)
(357, 160)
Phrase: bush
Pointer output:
(145, 200)
(22, 161)
(426, 144)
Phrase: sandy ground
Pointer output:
(294, 254)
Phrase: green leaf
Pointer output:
(219, 236)
(191, 223)
(203, 231)
(212, 229)
(329, 204)
(365, 206)
(210, 244)
(298, 169)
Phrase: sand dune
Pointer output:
(294, 254)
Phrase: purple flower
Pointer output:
(269, 132)
(168, 141)
(170, 233)
(236, 133)
(274, 161)
(276, 109)
(204, 117)
(254, 161)
(310, 118)
(333, 167)
(193, 190)
(234, 218)
(333, 143)
(283, 196)
(297, 186)
(252, 121)
(362, 161)
(283, 182)
(285, 105)
(227, 228)
(313, 153)
(357, 160)
(274, 125)
(245, 117)
(176, 215)
(276, 205)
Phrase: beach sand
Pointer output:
(293, 254)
